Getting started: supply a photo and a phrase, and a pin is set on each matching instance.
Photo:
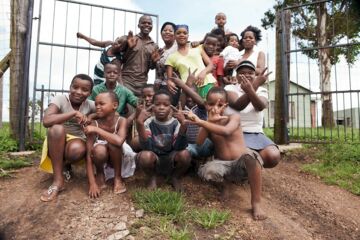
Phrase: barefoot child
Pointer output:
(106, 136)
(163, 139)
(233, 162)
(65, 142)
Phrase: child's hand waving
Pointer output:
(131, 40)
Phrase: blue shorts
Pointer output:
(257, 141)
(204, 150)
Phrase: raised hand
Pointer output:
(214, 113)
(155, 55)
(171, 86)
(191, 78)
(143, 113)
(245, 84)
(262, 78)
(178, 113)
(131, 40)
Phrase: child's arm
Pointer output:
(181, 140)
(188, 91)
(94, 190)
(141, 115)
(93, 41)
(52, 116)
(208, 69)
(203, 134)
(114, 139)
(170, 84)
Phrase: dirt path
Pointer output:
(299, 206)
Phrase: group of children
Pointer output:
(167, 138)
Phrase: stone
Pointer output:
(139, 213)
(124, 218)
(120, 226)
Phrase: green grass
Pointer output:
(7, 164)
(337, 164)
(170, 217)
(165, 203)
(212, 219)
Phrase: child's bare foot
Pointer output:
(175, 182)
(152, 183)
(119, 186)
(100, 180)
(258, 213)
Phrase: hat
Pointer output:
(245, 63)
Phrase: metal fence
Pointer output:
(60, 55)
(312, 98)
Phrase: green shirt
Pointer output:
(124, 95)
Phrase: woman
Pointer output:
(168, 36)
(249, 39)
(186, 60)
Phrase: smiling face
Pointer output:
(215, 100)
(162, 109)
(210, 45)
(80, 89)
(111, 73)
(168, 34)
(181, 36)
(145, 25)
(249, 73)
(105, 105)
(249, 40)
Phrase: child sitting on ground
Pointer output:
(106, 136)
(163, 139)
(233, 162)
(65, 142)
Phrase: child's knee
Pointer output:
(75, 150)
(271, 157)
(251, 163)
(56, 131)
(183, 157)
(147, 159)
(99, 153)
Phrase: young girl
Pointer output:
(65, 140)
(106, 136)
(193, 58)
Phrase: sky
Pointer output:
(57, 64)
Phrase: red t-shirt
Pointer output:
(218, 70)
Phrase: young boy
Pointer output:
(210, 46)
(106, 136)
(220, 21)
(232, 160)
(163, 139)
(111, 73)
(65, 142)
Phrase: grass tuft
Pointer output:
(210, 219)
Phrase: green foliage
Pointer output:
(342, 24)
(338, 164)
(335, 134)
(212, 219)
(180, 234)
(8, 164)
(165, 203)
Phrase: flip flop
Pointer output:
(51, 193)
(120, 189)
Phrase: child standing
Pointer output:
(210, 46)
(104, 144)
(232, 160)
(164, 141)
(65, 142)
(111, 73)
(193, 58)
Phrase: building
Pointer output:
(347, 117)
(302, 107)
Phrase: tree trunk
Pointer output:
(17, 44)
(325, 68)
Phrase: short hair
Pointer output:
(83, 76)
(115, 62)
(218, 31)
(112, 95)
(231, 35)
(168, 23)
(255, 30)
(220, 13)
(147, 86)
(162, 91)
(211, 35)
(219, 90)
(144, 16)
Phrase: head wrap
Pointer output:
(182, 26)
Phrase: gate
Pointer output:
(60, 55)
(321, 100)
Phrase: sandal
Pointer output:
(120, 189)
(51, 193)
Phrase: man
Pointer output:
(141, 56)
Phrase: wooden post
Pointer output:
(282, 77)
(19, 14)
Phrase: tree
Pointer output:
(319, 26)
